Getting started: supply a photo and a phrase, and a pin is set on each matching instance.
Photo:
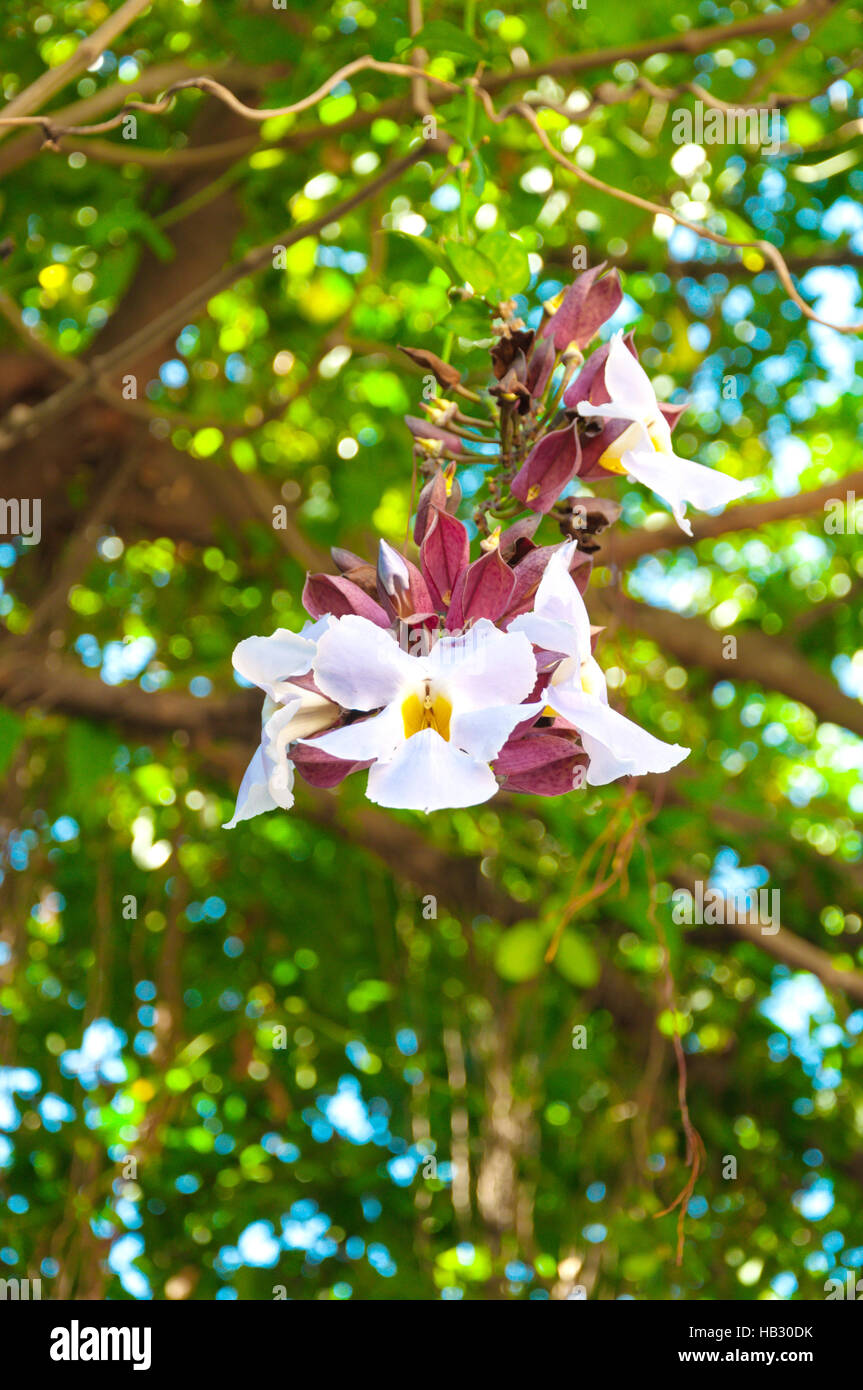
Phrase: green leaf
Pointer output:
(154, 780)
(259, 40)
(509, 257)
(640, 1266)
(439, 36)
(133, 221)
(804, 126)
(472, 266)
(368, 994)
(736, 227)
(428, 248)
(469, 318)
(577, 961)
(519, 953)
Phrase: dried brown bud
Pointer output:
(508, 346)
(444, 374)
(587, 517)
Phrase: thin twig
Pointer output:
(695, 1152)
(601, 885)
(216, 89)
(766, 248)
(88, 50)
(608, 94)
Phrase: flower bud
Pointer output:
(395, 578)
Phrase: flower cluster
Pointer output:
(447, 680)
(563, 417)
(454, 678)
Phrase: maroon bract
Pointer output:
(334, 594)
(550, 465)
(586, 306)
(542, 762)
(444, 553)
(482, 590)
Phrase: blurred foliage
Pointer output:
(323, 1166)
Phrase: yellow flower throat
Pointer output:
(611, 459)
(426, 712)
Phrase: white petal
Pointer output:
(315, 628)
(558, 602)
(269, 779)
(592, 679)
(312, 713)
(678, 481)
(281, 783)
(615, 745)
(483, 732)
(626, 381)
(360, 666)
(570, 670)
(378, 737)
(268, 662)
(279, 720)
(548, 634)
(254, 794)
(429, 774)
(611, 410)
(276, 739)
(483, 667)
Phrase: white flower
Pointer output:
(443, 717)
(645, 449)
(289, 713)
(559, 623)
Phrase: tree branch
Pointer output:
(790, 949)
(690, 41)
(24, 146)
(457, 880)
(45, 681)
(88, 50)
(124, 354)
(55, 132)
(769, 661)
(623, 549)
